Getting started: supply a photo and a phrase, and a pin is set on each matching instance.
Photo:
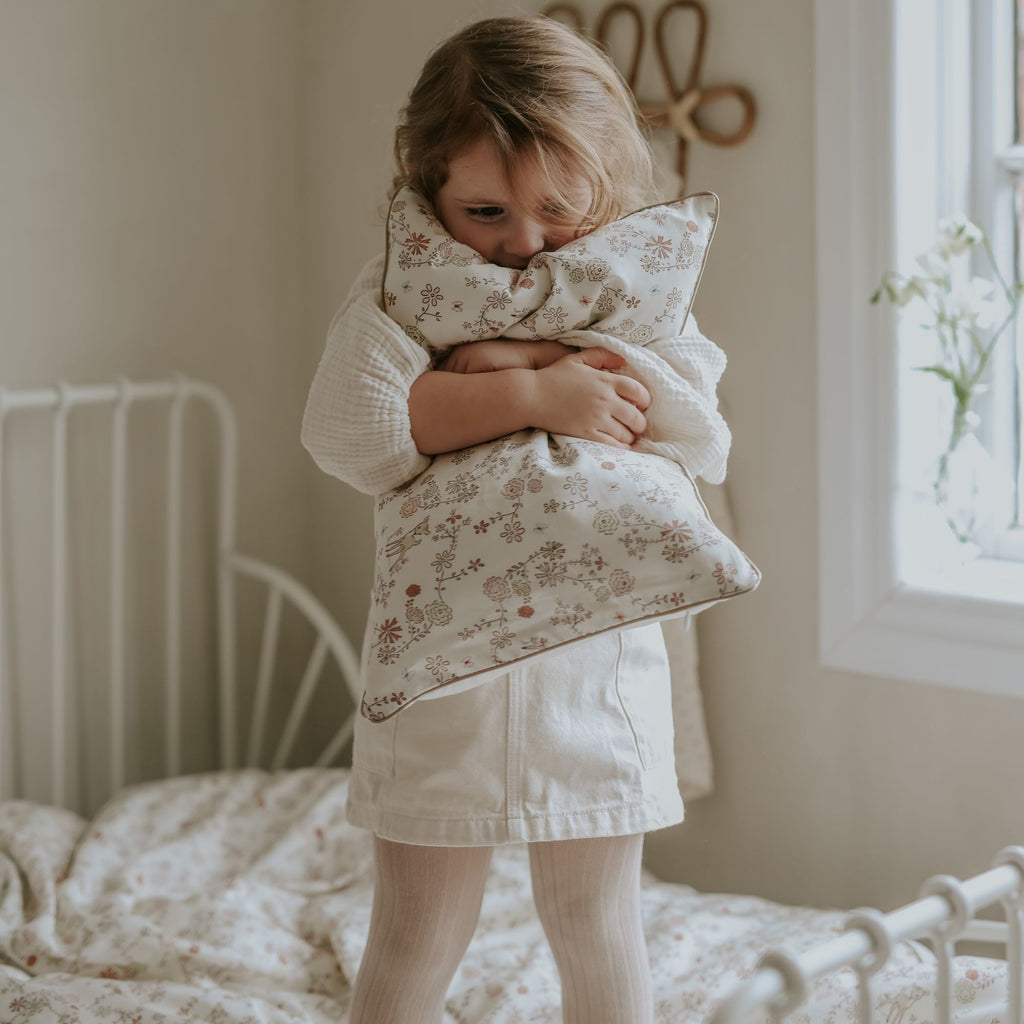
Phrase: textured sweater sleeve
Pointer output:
(681, 373)
(698, 431)
(356, 423)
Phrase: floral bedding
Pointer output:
(244, 897)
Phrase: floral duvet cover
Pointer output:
(244, 897)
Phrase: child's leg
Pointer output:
(425, 907)
(587, 893)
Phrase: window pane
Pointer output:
(1018, 327)
(1020, 68)
(1018, 195)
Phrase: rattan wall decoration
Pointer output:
(685, 97)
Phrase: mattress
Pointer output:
(244, 897)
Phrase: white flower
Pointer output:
(911, 288)
(935, 265)
(971, 302)
(957, 235)
(901, 290)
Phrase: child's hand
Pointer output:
(575, 396)
(485, 356)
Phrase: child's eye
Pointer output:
(485, 212)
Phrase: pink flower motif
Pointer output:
(389, 632)
(660, 247)
(417, 244)
(677, 531)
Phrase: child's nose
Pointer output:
(525, 239)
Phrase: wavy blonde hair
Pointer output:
(537, 90)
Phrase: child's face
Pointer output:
(479, 208)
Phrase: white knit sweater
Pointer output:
(356, 424)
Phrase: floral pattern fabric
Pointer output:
(633, 279)
(244, 897)
(511, 549)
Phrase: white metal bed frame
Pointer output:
(945, 914)
(121, 397)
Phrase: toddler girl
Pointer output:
(523, 138)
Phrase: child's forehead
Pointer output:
(477, 173)
(478, 165)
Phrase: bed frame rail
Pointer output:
(945, 914)
(122, 397)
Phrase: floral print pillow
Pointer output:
(511, 549)
(634, 278)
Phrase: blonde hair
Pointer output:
(536, 89)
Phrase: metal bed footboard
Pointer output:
(945, 914)
(121, 398)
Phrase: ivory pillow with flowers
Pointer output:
(514, 548)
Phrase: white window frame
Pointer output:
(870, 620)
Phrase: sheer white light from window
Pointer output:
(954, 120)
(874, 60)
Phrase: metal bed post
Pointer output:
(58, 577)
(226, 608)
(1013, 906)
(118, 519)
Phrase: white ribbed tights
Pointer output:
(425, 909)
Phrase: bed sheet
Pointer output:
(244, 897)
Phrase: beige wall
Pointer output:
(192, 185)
(149, 197)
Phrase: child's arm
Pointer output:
(572, 396)
(487, 356)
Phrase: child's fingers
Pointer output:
(633, 420)
(608, 439)
(599, 358)
(633, 391)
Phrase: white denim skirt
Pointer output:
(576, 745)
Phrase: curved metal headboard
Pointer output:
(122, 397)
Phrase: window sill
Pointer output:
(955, 630)
(992, 580)
(932, 560)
